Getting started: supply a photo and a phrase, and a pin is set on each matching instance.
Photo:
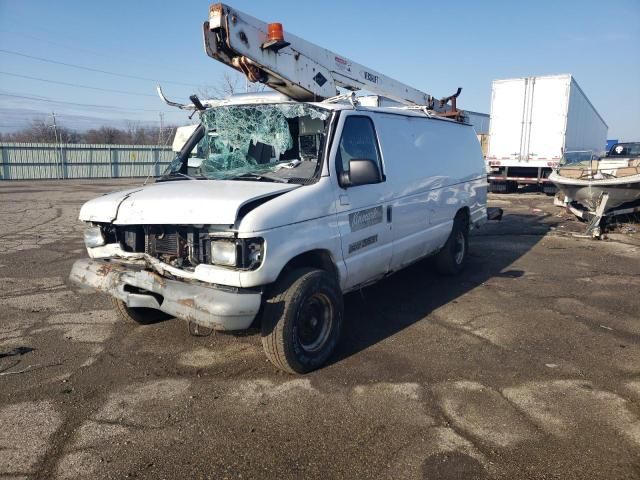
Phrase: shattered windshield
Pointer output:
(273, 142)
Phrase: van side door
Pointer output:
(362, 198)
(420, 170)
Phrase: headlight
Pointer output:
(93, 237)
(224, 252)
(245, 253)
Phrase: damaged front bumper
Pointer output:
(139, 288)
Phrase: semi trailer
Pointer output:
(534, 120)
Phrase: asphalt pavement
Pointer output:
(526, 366)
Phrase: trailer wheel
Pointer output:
(142, 316)
(302, 320)
(497, 187)
(453, 256)
(511, 187)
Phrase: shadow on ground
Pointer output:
(397, 302)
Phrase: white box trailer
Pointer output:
(534, 120)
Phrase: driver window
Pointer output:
(358, 141)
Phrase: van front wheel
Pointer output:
(453, 256)
(143, 316)
(302, 320)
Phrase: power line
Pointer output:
(50, 100)
(99, 53)
(24, 117)
(81, 67)
(76, 85)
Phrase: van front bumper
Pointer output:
(139, 288)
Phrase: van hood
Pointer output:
(180, 202)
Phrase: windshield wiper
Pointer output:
(186, 176)
(259, 176)
(173, 175)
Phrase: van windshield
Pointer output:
(273, 142)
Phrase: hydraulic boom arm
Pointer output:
(297, 68)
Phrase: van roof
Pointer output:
(262, 98)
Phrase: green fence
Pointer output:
(33, 161)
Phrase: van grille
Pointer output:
(177, 245)
(164, 240)
(167, 243)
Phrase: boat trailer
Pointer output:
(598, 218)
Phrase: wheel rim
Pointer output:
(460, 248)
(315, 322)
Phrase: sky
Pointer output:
(435, 46)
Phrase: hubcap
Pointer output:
(460, 248)
(315, 322)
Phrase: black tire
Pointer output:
(512, 187)
(497, 187)
(302, 320)
(452, 258)
(142, 316)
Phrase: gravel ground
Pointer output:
(526, 366)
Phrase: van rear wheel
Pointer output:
(142, 316)
(453, 256)
(302, 320)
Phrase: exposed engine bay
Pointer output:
(186, 247)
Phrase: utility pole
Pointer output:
(59, 147)
(160, 132)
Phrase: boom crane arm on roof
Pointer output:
(295, 67)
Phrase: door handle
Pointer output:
(389, 213)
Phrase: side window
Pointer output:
(358, 141)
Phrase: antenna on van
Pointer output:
(196, 104)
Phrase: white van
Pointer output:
(294, 204)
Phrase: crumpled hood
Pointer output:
(180, 202)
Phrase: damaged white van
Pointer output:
(291, 206)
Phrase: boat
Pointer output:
(600, 183)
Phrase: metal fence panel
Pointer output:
(30, 161)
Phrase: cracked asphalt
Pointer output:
(526, 366)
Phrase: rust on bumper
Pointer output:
(206, 306)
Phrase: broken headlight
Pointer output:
(93, 237)
(244, 253)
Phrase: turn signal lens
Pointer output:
(93, 237)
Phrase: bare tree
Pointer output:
(134, 134)
(229, 84)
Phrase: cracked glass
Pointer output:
(276, 142)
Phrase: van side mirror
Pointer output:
(362, 171)
(344, 179)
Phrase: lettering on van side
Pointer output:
(365, 218)
(365, 242)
